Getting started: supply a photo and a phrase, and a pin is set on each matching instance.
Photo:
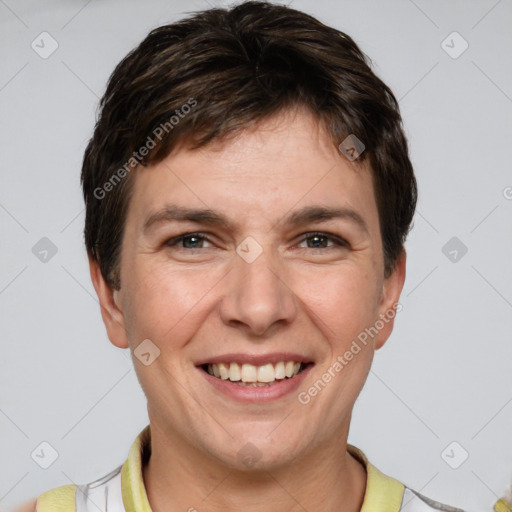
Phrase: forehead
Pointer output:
(279, 165)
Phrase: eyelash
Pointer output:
(172, 242)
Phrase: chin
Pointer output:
(260, 452)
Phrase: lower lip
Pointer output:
(252, 394)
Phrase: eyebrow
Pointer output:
(306, 215)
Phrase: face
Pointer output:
(271, 285)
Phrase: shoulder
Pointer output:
(420, 503)
(107, 490)
(384, 492)
(29, 506)
(60, 499)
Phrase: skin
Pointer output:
(203, 300)
(29, 506)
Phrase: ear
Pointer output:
(111, 311)
(389, 305)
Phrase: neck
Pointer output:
(178, 477)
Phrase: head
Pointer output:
(245, 126)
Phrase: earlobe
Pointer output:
(110, 305)
(389, 305)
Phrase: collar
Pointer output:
(383, 493)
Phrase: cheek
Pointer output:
(166, 304)
(343, 300)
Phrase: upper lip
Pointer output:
(255, 359)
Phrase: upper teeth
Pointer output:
(250, 373)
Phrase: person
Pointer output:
(248, 194)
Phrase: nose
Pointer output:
(257, 298)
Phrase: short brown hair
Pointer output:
(231, 68)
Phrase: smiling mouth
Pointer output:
(256, 376)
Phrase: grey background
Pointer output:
(444, 375)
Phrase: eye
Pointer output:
(187, 241)
(320, 240)
(314, 240)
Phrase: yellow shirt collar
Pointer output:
(383, 493)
